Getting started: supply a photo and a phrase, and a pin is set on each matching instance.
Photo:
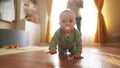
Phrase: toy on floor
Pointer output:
(11, 46)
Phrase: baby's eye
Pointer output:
(70, 21)
(63, 21)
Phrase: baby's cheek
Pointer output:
(62, 27)
(72, 25)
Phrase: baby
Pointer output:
(67, 37)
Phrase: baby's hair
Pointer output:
(67, 11)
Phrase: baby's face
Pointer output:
(67, 21)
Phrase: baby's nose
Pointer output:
(67, 23)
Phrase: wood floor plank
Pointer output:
(102, 57)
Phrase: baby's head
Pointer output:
(67, 20)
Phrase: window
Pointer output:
(7, 10)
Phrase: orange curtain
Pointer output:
(101, 32)
(49, 9)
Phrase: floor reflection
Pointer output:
(93, 58)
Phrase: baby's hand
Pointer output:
(52, 52)
(78, 57)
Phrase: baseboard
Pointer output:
(112, 44)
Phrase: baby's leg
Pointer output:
(62, 50)
(72, 50)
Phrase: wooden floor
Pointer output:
(101, 57)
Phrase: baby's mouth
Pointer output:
(67, 27)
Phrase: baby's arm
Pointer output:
(53, 44)
(79, 3)
(78, 46)
(69, 4)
